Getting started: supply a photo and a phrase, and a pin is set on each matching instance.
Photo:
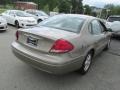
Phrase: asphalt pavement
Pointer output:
(16, 75)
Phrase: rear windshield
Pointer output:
(64, 22)
(112, 19)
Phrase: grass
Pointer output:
(2, 10)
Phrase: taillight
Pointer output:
(61, 46)
(17, 35)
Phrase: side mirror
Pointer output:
(108, 30)
(36, 14)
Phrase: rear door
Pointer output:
(98, 35)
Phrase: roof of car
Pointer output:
(79, 15)
(15, 10)
(34, 10)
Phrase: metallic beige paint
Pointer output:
(40, 57)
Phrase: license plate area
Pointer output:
(32, 41)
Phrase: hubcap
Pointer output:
(87, 62)
(17, 24)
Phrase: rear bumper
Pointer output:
(58, 68)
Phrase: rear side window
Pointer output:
(95, 27)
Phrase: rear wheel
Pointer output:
(87, 63)
(39, 20)
(16, 24)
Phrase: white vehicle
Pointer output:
(3, 24)
(19, 18)
(37, 14)
(113, 23)
(112, 19)
(53, 13)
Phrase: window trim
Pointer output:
(90, 25)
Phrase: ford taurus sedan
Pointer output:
(62, 43)
(19, 18)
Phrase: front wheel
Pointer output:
(39, 20)
(87, 63)
(16, 24)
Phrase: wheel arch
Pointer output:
(16, 21)
(39, 20)
(90, 50)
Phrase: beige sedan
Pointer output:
(62, 43)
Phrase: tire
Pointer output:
(39, 20)
(116, 36)
(87, 63)
(16, 24)
(108, 45)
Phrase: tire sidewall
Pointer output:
(83, 65)
(16, 24)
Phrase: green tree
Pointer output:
(117, 9)
(41, 3)
(64, 6)
(87, 10)
(104, 14)
(113, 10)
(77, 6)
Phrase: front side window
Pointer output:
(96, 27)
(22, 14)
(30, 12)
(11, 13)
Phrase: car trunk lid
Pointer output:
(42, 38)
